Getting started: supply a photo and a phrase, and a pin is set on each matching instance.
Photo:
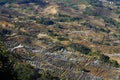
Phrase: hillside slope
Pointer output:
(71, 39)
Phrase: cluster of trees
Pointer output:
(95, 3)
(3, 32)
(12, 69)
(46, 21)
(89, 11)
(6, 65)
(97, 11)
(66, 18)
(112, 21)
(103, 58)
(27, 72)
(106, 59)
(40, 2)
(62, 38)
(81, 48)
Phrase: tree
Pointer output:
(114, 63)
(46, 21)
(6, 64)
(89, 11)
(104, 58)
(81, 48)
(15, 70)
(26, 72)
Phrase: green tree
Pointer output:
(81, 48)
(89, 11)
(104, 58)
(26, 72)
(6, 64)
(114, 63)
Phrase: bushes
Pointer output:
(13, 70)
(6, 64)
(112, 21)
(114, 63)
(46, 21)
(62, 38)
(4, 32)
(60, 18)
(94, 54)
(66, 18)
(88, 11)
(106, 59)
(95, 3)
(26, 72)
(81, 48)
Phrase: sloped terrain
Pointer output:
(72, 39)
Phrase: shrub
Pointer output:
(46, 21)
(14, 70)
(104, 58)
(88, 11)
(67, 18)
(62, 38)
(112, 21)
(94, 53)
(81, 48)
(114, 63)
(6, 64)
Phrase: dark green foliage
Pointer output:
(95, 28)
(62, 38)
(81, 48)
(26, 72)
(96, 3)
(66, 18)
(46, 76)
(51, 33)
(94, 54)
(13, 70)
(62, 15)
(88, 25)
(4, 32)
(114, 63)
(104, 58)
(39, 2)
(75, 7)
(6, 64)
(60, 26)
(73, 2)
(0, 35)
(88, 11)
(46, 21)
(112, 21)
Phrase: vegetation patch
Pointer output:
(81, 48)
